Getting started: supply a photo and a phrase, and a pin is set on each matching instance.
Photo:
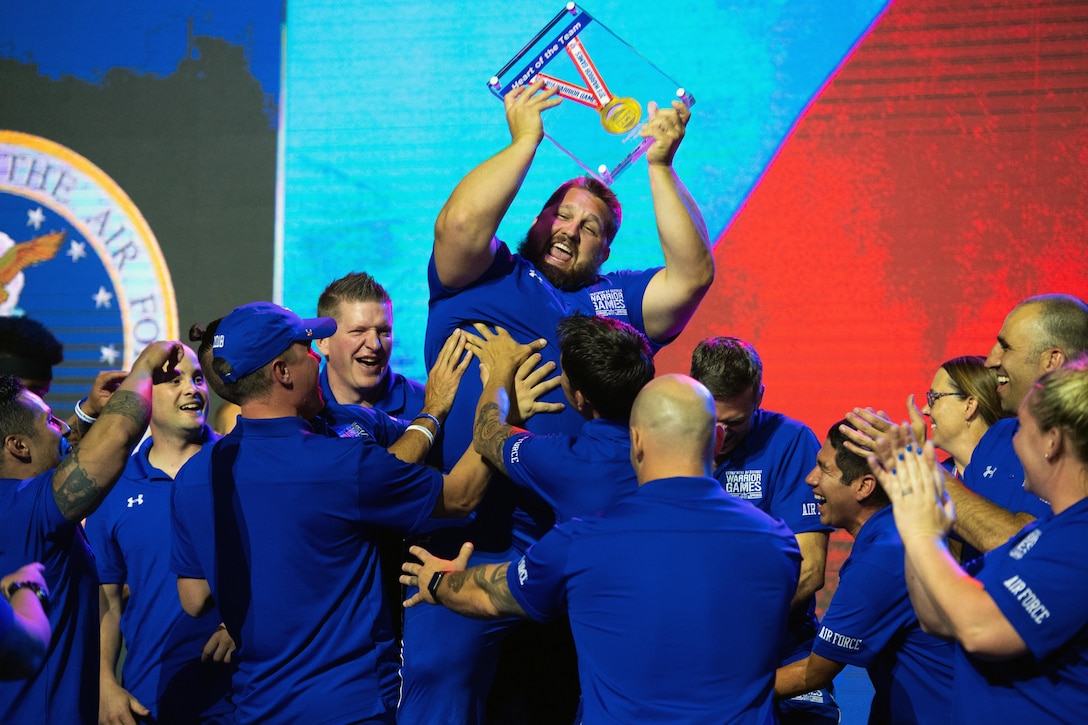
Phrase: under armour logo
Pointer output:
(139, 499)
(989, 472)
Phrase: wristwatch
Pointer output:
(433, 586)
(32, 586)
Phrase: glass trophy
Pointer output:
(605, 85)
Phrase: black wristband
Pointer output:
(433, 586)
(38, 592)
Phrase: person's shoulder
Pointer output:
(780, 424)
(1001, 431)
(994, 449)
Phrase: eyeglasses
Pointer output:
(932, 397)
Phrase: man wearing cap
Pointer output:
(274, 524)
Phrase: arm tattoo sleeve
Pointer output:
(492, 433)
(77, 492)
(491, 580)
(129, 404)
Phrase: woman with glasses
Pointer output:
(1018, 614)
(961, 404)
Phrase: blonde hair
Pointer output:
(1059, 399)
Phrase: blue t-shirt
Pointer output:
(162, 667)
(576, 475)
(358, 421)
(65, 689)
(870, 623)
(678, 597)
(1039, 581)
(279, 521)
(513, 294)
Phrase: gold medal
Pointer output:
(620, 115)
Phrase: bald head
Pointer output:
(672, 429)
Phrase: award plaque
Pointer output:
(605, 85)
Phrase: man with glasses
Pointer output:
(1040, 334)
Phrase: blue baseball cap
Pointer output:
(252, 335)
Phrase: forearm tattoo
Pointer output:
(492, 434)
(129, 404)
(78, 491)
(493, 585)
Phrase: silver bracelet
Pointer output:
(424, 431)
(88, 419)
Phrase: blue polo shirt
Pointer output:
(768, 468)
(678, 597)
(400, 397)
(162, 667)
(358, 421)
(996, 473)
(512, 293)
(870, 623)
(1039, 581)
(280, 523)
(576, 475)
(65, 689)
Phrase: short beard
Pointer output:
(566, 279)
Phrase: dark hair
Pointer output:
(1064, 323)
(607, 360)
(727, 366)
(354, 287)
(600, 190)
(251, 386)
(15, 417)
(851, 464)
(28, 349)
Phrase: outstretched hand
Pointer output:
(666, 127)
(498, 352)
(914, 482)
(870, 425)
(159, 360)
(420, 575)
(104, 384)
(531, 383)
(524, 105)
(445, 375)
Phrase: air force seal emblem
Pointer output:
(77, 255)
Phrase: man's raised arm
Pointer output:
(84, 478)
(465, 231)
(501, 358)
(676, 291)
